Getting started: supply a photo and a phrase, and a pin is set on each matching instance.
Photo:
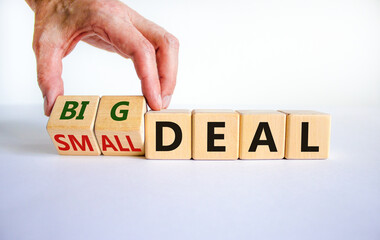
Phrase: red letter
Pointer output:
(57, 139)
(119, 144)
(105, 139)
(131, 145)
(85, 141)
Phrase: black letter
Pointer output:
(305, 139)
(159, 136)
(211, 136)
(263, 126)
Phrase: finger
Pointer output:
(167, 47)
(49, 71)
(98, 42)
(131, 43)
(167, 63)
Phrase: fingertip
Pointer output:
(49, 100)
(155, 103)
(48, 105)
(166, 101)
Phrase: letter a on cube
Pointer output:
(119, 126)
(168, 134)
(262, 134)
(71, 125)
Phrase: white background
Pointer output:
(320, 55)
(243, 53)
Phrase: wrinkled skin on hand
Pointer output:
(109, 25)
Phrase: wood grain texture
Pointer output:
(225, 131)
(182, 118)
(72, 131)
(274, 121)
(310, 127)
(119, 125)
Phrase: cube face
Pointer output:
(119, 125)
(168, 134)
(75, 142)
(262, 134)
(307, 135)
(71, 125)
(215, 134)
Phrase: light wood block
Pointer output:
(215, 134)
(71, 125)
(262, 134)
(168, 134)
(307, 134)
(119, 125)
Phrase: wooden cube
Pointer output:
(168, 134)
(307, 134)
(262, 134)
(71, 125)
(119, 125)
(215, 134)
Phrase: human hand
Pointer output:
(109, 25)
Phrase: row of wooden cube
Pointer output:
(114, 125)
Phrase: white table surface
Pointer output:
(47, 196)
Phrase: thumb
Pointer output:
(49, 71)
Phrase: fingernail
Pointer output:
(159, 102)
(166, 101)
(46, 105)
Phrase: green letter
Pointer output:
(123, 112)
(67, 108)
(83, 108)
(72, 111)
